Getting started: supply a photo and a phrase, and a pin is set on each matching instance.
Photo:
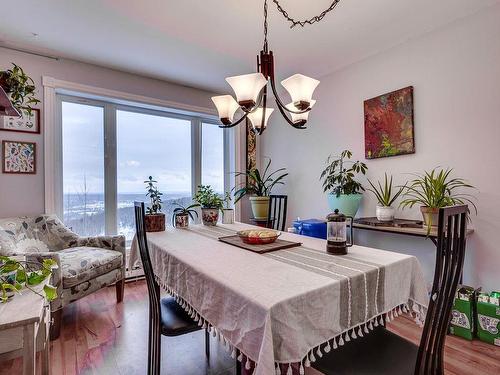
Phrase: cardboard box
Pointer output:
(463, 313)
(488, 322)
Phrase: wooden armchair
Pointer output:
(86, 264)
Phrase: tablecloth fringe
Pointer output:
(236, 353)
(416, 311)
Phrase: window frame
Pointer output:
(110, 150)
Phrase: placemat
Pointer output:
(260, 249)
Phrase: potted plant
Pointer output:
(259, 186)
(344, 192)
(18, 274)
(210, 203)
(20, 88)
(154, 218)
(227, 211)
(181, 215)
(433, 190)
(386, 196)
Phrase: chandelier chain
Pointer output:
(265, 26)
(302, 23)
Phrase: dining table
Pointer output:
(278, 311)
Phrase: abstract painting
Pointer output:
(389, 124)
(24, 124)
(18, 157)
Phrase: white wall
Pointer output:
(455, 72)
(24, 194)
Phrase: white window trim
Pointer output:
(53, 134)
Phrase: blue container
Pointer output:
(311, 228)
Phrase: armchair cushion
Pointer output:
(80, 264)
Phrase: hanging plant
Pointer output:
(20, 87)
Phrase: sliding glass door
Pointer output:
(108, 150)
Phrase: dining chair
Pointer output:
(276, 215)
(166, 316)
(383, 352)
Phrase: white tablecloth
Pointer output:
(286, 306)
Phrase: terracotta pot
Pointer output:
(260, 207)
(430, 215)
(209, 216)
(155, 222)
(181, 220)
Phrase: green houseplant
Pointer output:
(20, 88)
(154, 218)
(386, 195)
(181, 215)
(18, 274)
(344, 191)
(433, 190)
(227, 211)
(259, 186)
(210, 203)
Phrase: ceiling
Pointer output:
(199, 43)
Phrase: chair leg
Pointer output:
(55, 326)
(154, 348)
(238, 367)
(207, 345)
(120, 286)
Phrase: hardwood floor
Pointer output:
(101, 337)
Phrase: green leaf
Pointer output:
(50, 292)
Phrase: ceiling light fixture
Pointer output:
(251, 89)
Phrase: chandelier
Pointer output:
(251, 90)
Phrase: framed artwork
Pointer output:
(251, 146)
(24, 124)
(389, 124)
(18, 157)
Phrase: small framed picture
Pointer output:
(24, 124)
(18, 157)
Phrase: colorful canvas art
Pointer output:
(18, 157)
(389, 124)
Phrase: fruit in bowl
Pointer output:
(258, 236)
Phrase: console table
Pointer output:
(399, 226)
(24, 328)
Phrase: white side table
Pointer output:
(24, 330)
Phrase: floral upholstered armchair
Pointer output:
(86, 264)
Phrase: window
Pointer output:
(150, 145)
(83, 168)
(212, 156)
(109, 150)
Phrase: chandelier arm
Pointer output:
(280, 103)
(234, 123)
(298, 125)
(264, 102)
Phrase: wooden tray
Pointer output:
(260, 249)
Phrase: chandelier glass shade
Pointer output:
(251, 91)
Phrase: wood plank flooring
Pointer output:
(101, 337)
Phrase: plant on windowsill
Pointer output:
(18, 274)
(386, 195)
(182, 214)
(227, 211)
(210, 203)
(20, 89)
(259, 186)
(344, 192)
(434, 190)
(154, 218)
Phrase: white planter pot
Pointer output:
(385, 213)
(260, 207)
(227, 216)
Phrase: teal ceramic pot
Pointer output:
(346, 204)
